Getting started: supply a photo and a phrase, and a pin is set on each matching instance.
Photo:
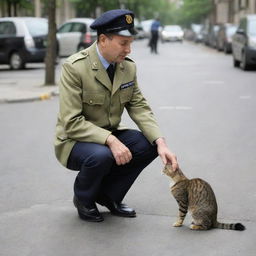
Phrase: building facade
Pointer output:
(231, 11)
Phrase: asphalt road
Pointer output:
(206, 109)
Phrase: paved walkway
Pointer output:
(26, 85)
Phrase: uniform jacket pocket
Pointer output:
(126, 95)
(93, 98)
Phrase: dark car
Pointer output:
(22, 40)
(214, 29)
(244, 43)
(205, 32)
(224, 37)
(197, 35)
(75, 35)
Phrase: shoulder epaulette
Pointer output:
(78, 56)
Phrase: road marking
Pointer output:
(175, 108)
(245, 97)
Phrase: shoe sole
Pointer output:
(85, 218)
(124, 215)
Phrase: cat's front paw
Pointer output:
(177, 224)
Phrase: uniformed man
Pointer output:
(96, 85)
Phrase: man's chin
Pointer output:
(120, 59)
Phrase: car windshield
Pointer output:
(37, 27)
(252, 27)
(172, 28)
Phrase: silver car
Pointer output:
(244, 43)
(75, 35)
(172, 33)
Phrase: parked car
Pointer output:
(224, 37)
(214, 29)
(22, 40)
(244, 43)
(140, 31)
(197, 35)
(172, 33)
(205, 31)
(146, 26)
(75, 35)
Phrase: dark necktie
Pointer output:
(111, 72)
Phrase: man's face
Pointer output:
(115, 48)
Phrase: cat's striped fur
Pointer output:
(197, 197)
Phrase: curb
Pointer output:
(40, 97)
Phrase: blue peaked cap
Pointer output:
(117, 21)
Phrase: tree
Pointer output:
(51, 44)
(143, 9)
(14, 5)
(194, 11)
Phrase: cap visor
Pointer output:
(127, 32)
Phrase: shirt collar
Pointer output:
(104, 62)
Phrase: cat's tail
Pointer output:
(231, 226)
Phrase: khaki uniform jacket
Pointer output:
(91, 107)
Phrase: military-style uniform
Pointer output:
(91, 107)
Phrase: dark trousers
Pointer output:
(99, 176)
(153, 42)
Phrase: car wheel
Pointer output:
(236, 63)
(16, 62)
(244, 65)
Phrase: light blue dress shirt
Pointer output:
(104, 62)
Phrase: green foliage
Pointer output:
(193, 11)
(143, 9)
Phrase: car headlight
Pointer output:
(252, 42)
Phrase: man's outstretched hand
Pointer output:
(166, 155)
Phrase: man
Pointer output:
(154, 35)
(89, 136)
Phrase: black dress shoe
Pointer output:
(118, 209)
(89, 214)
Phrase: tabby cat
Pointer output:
(197, 197)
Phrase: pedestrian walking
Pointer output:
(154, 35)
(96, 85)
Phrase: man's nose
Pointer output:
(128, 49)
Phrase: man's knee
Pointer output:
(102, 157)
(137, 142)
(89, 155)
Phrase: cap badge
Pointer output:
(128, 19)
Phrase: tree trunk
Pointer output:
(50, 58)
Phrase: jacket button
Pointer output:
(90, 101)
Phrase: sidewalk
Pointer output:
(26, 85)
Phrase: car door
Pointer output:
(7, 39)
(69, 37)
(63, 35)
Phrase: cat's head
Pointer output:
(168, 170)
(176, 175)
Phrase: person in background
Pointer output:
(96, 85)
(154, 35)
